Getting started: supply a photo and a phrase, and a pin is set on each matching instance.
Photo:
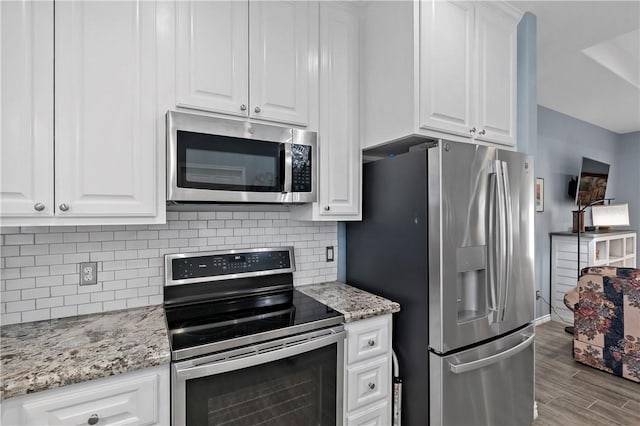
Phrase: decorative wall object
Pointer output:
(539, 194)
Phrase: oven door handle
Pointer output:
(252, 358)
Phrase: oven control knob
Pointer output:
(372, 386)
(94, 419)
(371, 342)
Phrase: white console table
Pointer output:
(615, 248)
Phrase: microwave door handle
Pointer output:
(288, 167)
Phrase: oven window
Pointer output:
(228, 163)
(300, 390)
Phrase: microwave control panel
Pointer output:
(301, 168)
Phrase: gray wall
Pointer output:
(628, 178)
(562, 142)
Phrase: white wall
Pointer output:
(562, 142)
(39, 270)
(628, 178)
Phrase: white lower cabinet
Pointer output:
(368, 372)
(136, 398)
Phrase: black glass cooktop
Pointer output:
(244, 320)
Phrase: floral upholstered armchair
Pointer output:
(607, 320)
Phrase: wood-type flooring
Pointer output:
(569, 393)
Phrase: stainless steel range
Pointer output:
(247, 348)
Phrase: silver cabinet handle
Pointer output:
(371, 342)
(257, 109)
(64, 207)
(327, 208)
(38, 207)
(243, 107)
(483, 132)
(372, 386)
(93, 419)
(473, 130)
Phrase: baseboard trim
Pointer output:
(542, 319)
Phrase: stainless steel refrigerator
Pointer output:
(447, 232)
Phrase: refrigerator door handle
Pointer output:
(501, 246)
(508, 235)
(492, 252)
(475, 365)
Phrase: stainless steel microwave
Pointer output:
(213, 159)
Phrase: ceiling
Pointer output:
(589, 60)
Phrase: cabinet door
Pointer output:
(339, 144)
(106, 141)
(26, 108)
(212, 69)
(279, 56)
(446, 31)
(496, 44)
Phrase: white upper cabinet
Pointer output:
(108, 166)
(340, 163)
(496, 86)
(26, 109)
(446, 74)
(105, 102)
(247, 58)
(212, 62)
(439, 69)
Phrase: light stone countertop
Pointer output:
(43, 355)
(353, 303)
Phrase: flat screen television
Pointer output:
(592, 182)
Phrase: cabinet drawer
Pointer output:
(367, 383)
(377, 415)
(368, 339)
(132, 401)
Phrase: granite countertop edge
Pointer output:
(45, 355)
(353, 303)
(50, 354)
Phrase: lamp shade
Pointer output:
(611, 215)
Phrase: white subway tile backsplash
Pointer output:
(21, 306)
(64, 311)
(40, 265)
(67, 248)
(49, 238)
(114, 305)
(54, 259)
(18, 239)
(37, 315)
(32, 250)
(19, 261)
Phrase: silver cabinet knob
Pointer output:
(482, 132)
(327, 208)
(93, 419)
(38, 207)
(473, 130)
(257, 109)
(243, 107)
(372, 386)
(371, 342)
(64, 207)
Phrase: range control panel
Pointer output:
(214, 265)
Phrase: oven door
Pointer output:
(296, 380)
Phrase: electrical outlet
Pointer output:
(88, 273)
(538, 295)
(330, 254)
